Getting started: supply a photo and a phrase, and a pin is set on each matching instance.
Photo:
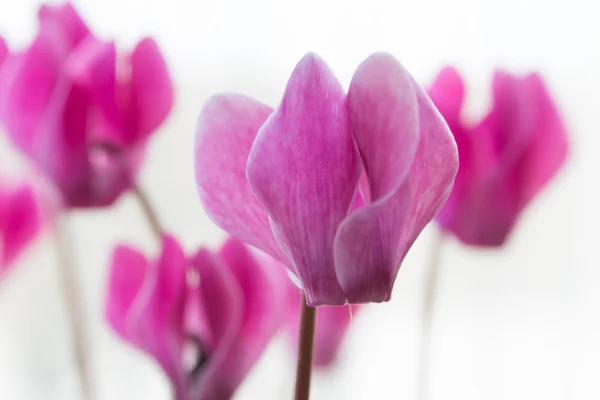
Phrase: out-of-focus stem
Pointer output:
(306, 341)
(148, 210)
(75, 306)
(429, 298)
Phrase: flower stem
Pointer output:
(429, 298)
(306, 340)
(75, 307)
(148, 211)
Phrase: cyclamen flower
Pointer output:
(231, 311)
(20, 222)
(331, 327)
(68, 98)
(287, 181)
(505, 159)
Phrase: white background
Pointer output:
(520, 323)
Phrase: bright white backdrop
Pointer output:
(522, 323)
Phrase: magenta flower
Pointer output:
(504, 160)
(229, 310)
(68, 98)
(20, 222)
(287, 180)
(332, 325)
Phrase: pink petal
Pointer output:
(447, 93)
(128, 270)
(262, 296)
(222, 301)
(411, 161)
(226, 130)
(3, 51)
(151, 88)
(63, 20)
(157, 318)
(27, 86)
(20, 222)
(332, 325)
(304, 168)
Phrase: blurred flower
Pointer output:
(332, 324)
(81, 113)
(287, 181)
(20, 222)
(504, 160)
(223, 305)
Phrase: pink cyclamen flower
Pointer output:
(229, 310)
(20, 222)
(332, 325)
(504, 160)
(68, 98)
(287, 180)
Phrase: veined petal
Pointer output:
(221, 299)
(407, 188)
(304, 168)
(226, 130)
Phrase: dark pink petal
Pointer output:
(152, 92)
(128, 270)
(410, 159)
(262, 296)
(20, 222)
(226, 130)
(221, 299)
(63, 21)
(304, 168)
(332, 325)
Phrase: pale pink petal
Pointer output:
(332, 325)
(222, 301)
(65, 22)
(3, 51)
(20, 222)
(410, 159)
(152, 93)
(262, 294)
(304, 168)
(128, 270)
(226, 130)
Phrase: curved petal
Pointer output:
(63, 20)
(152, 93)
(20, 221)
(332, 325)
(226, 130)
(262, 296)
(407, 188)
(304, 168)
(155, 322)
(221, 300)
(27, 86)
(447, 93)
(127, 271)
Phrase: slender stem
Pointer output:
(429, 298)
(148, 210)
(75, 306)
(306, 341)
